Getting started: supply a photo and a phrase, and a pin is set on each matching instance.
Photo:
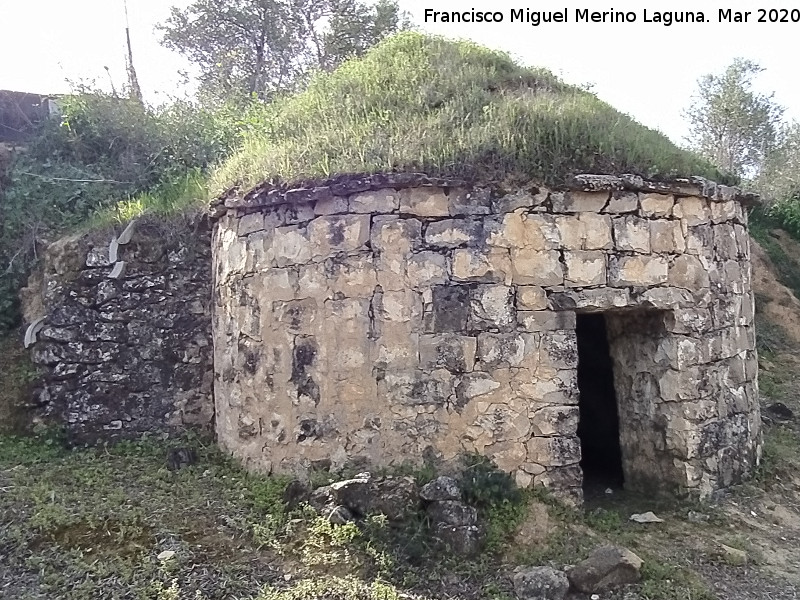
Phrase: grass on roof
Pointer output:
(448, 108)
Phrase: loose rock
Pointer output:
(441, 488)
(540, 583)
(607, 567)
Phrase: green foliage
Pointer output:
(107, 160)
(731, 125)
(483, 485)
(501, 504)
(423, 103)
(788, 270)
(664, 581)
(781, 454)
(778, 181)
(335, 588)
(265, 47)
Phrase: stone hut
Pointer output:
(602, 332)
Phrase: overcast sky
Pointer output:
(644, 69)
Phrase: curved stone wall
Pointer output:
(388, 319)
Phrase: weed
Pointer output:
(422, 103)
(663, 581)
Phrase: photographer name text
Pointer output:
(667, 18)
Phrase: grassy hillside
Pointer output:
(448, 108)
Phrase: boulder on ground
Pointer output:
(540, 583)
(450, 512)
(440, 489)
(464, 540)
(607, 567)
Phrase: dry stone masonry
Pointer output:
(120, 328)
(372, 321)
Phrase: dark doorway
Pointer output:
(598, 428)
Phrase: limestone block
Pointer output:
(689, 321)
(555, 420)
(273, 284)
(500, 350)
(455, 353)
(414, 388)
(667, 298)
(295, 214)
(338, 233)
(470, 202)
(585, 231)
(520, 199)
(332, 205)
(482, 266)
(596, 231)
(250, 223)
(533, 267)
(518, 230)
(475, 385)
(700, 241)
(637, 271)
(379, 201)
(592, 299)
(554, 451)
(354, 277)
(632, 234)
(747, 312)
(687, 384)
(546, 320)
(291, 246)
(297, 316)
(531, 297)
(692, 210)
(425, 269)
(585, 269)
(725, 243)
(397, 347)
(450, 309)
(729, 210)
(401, 306)
(680, 352)
(312, 282)
(622, 202)
(395, 236)
(492, 306)
(508, 456)
(657, 205)
(687, 272)
(667, 237)
(259, 250)
(452, 233)
(742, 241)
(559, 350)
(424, 202)
(504, 422)
(573, 202)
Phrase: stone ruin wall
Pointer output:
(120, 328)
(391, 319)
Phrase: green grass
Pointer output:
(664, 581)
(447, 108)
(787, 269)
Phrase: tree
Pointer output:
(733, 126)
(245, 47)
(779, 179)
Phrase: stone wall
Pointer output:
(120, 328)
(386, 319)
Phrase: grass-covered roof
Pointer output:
(448, 108)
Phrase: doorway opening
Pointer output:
(598, 428)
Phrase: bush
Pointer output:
(106, 159)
